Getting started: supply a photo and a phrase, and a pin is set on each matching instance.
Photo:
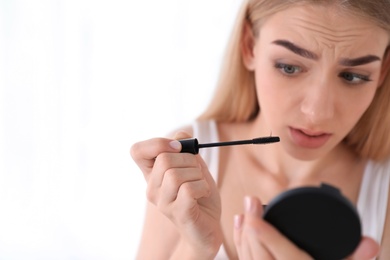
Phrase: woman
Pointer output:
(314, 73)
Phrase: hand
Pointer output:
(257, 239)
(181, 187)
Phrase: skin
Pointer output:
(310, 93)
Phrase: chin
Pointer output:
(303, 154)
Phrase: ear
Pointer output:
(247, 46)
(385, 70)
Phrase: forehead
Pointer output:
(325, 26)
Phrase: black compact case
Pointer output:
(320, 220)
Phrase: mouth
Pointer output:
(309, 139)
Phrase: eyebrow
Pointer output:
(359, 61)
(296, 49)
(311, 55)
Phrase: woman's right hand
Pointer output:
(181, 187)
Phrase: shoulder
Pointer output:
(378, 172)
(383, 169)
(196, 128)
(188, 129)
(381, 166)
(385, 245)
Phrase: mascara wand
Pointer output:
(191, 145)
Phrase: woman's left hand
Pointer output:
(257, 239)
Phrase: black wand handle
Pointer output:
(190, 145)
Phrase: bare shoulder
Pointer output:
(385, 245)
(185, 128)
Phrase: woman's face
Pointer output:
(316, 71)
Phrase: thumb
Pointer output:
(253, 207)
(367, 249)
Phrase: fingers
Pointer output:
(278, 245)
(172, 177)
(185, 208)
(243, 220)
(243, 246)
(238, 220)
(145, 152)
(167, 164)
(367, 249)
(246, 235)
(182, 186)
(175, 174)
(265, 241)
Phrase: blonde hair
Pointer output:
(235, 99)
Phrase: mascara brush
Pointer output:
(191, 145)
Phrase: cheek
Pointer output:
(354, 108)
(275, 100)
(273, 94)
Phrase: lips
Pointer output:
(308, 139)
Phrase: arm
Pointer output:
(159, 236)
(161, 240)
(183, 213)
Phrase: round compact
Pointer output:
(319, 220)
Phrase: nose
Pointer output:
(318, 103)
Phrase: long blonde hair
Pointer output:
(235, 98)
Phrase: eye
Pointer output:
(288, 69)
(354, 78)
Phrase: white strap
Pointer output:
(206, 132)
(373, 197)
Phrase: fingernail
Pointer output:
(175, 145)
(248, 204)
(238, 219)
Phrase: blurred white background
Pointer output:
(80, 82)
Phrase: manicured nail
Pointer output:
(238, 219)
(248, 204)
(175, 145)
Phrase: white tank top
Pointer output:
(373, 195)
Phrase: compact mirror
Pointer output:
(320, 220)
